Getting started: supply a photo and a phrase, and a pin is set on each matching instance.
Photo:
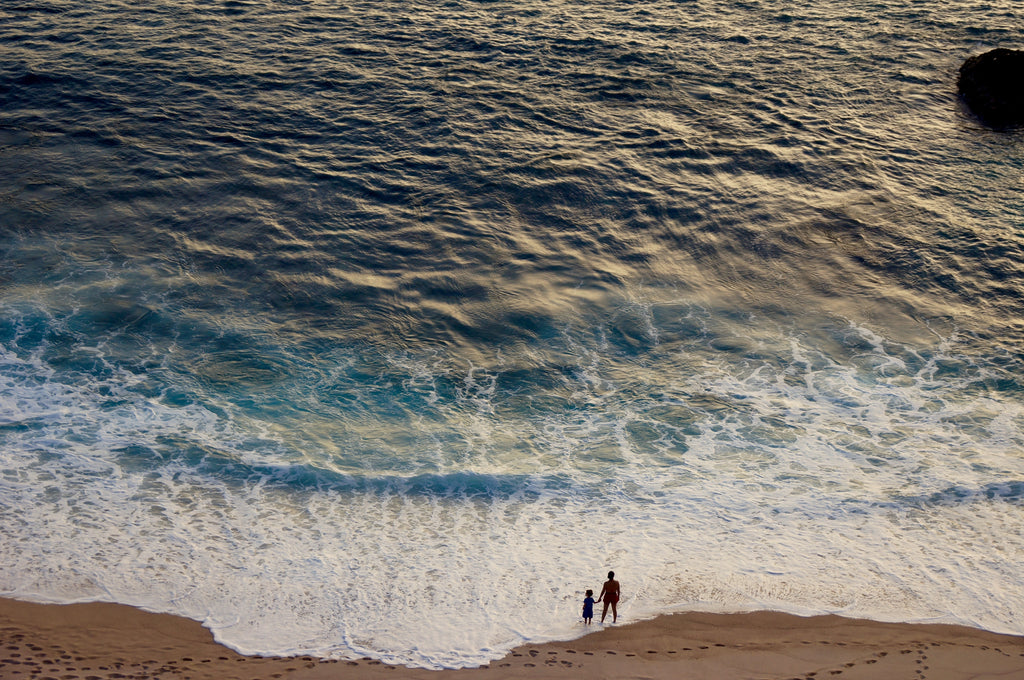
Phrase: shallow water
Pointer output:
(386, 329)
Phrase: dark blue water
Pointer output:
(316, 318)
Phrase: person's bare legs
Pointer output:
(605, 612)
(615, 613)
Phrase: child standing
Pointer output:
(588, 607)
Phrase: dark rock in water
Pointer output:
(992, 85)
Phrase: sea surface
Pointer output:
(385, 329)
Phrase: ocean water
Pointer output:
(388, 328)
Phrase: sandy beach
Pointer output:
(101, 641)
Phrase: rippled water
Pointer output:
(386, 329)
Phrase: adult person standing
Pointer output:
(610, 595)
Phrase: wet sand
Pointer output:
(102, 641)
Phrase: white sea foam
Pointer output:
(788, 480)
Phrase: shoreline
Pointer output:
(101, 641)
